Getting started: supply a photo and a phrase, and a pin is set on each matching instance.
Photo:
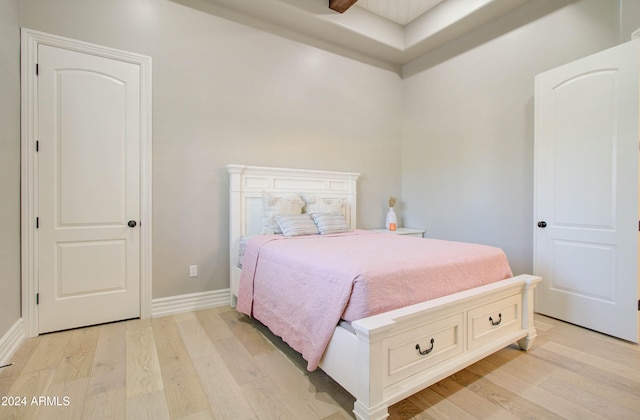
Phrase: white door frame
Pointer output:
(30, 40)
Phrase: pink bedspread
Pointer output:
(301, 287)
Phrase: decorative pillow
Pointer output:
(330, 223)
(244, 241)
(316, 204)
(296, 225)
(242, 247)
(271, 206)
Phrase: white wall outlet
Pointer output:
(193, 271)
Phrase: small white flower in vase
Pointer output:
(392, 220)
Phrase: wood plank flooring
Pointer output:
(217, 364)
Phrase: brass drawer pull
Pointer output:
(496, 322)
(427, 351)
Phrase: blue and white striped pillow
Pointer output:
(296, 225)
(330, 223)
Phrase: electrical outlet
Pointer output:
(193, 271)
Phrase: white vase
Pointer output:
(392, 220)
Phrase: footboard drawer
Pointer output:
(421, 347)
(489, 321)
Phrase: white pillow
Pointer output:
(316, 204)
(296, 225)
(330, 223)
(272, 206)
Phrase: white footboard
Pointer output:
(396, 354)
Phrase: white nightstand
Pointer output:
(419, 233)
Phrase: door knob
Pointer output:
(132, 223)
(542, 224)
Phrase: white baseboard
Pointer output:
(10, 342)
(190, 302)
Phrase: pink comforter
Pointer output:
(301, 287)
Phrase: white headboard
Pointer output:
(247, 183)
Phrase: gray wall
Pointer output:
(9, 164)
(226, 93)
(467, 149)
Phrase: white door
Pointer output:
(88, 209)
(586, 191)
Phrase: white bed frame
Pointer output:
(381, 363)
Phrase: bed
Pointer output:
(382, 358)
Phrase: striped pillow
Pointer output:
(296, 225)
(330, 223)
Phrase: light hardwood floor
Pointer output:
(216, 363)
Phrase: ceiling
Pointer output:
(399, 11)
(387, 33)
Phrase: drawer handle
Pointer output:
(427, 351)
(494, 323)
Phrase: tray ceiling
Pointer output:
(399, 11)
(371, 30)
